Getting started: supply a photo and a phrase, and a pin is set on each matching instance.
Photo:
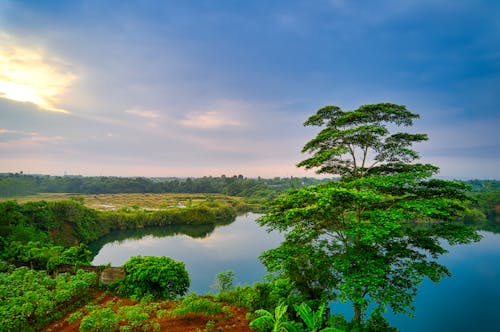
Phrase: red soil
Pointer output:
(190, 322)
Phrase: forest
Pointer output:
(15, 184)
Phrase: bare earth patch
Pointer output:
(189, 322)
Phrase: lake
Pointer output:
(236, 247)
(468, 301)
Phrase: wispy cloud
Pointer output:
(32, 75)
(15, 141)
(207, 120)
(186, 90)
(148, 114)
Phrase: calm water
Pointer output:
(469, 301)
(236, 246)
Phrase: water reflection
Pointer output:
(235, 246)
(468, 301)
(464, 302)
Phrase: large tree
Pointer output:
(375, 233)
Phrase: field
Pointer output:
(135, 201)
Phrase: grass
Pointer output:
(133, 201)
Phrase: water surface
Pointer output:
(236, 246)
(469, 301)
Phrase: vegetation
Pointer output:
(113, 316)
(196, 304)
(70, 222)
(369, 237)
(276, 323)
(355, 239)
(30, 299)
(156, 277)
(224, 281)
(259, 189)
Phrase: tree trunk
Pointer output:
(357, 316)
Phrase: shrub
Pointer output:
(198, 305)
(159, 277)
(100, 320)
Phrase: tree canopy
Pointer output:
(376, 233)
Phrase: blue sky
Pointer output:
(194, 88)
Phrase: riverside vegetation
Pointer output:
(370, 236)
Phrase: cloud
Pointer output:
(3, 131)
(220, 113)
(148, 114)
(16, 141)
(207, 120)
(32, 75)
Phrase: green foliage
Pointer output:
(210, 326)
(262, 295)
(159, 277)
(277, 322)
(69, 222)
(258, 190)
(487, 201)
(75, 316)
(197, 305)
(109, 317)
(30, 299)
(313, 320)
(224, 281)
(375, 234)
(46, 256)
(377, 322)
(6, 267)
(100, 320)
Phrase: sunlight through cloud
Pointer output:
(31, 75)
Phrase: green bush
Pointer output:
(30, 299)
(159, 277)
(100, 320)
(262, 295)
(198, 305)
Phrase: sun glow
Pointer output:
(30, 75)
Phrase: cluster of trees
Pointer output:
(486, 195)
(21, 184)
(70, 218)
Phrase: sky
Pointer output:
(205, 88)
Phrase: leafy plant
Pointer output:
(160, 277)
(314, 320)
(100, 320)
(277, 322)
(29, 299)
(196, 304)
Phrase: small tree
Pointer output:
(373, 235)
(160, 277)
(224, 281)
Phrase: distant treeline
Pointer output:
(487, 198)
(17, 184)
